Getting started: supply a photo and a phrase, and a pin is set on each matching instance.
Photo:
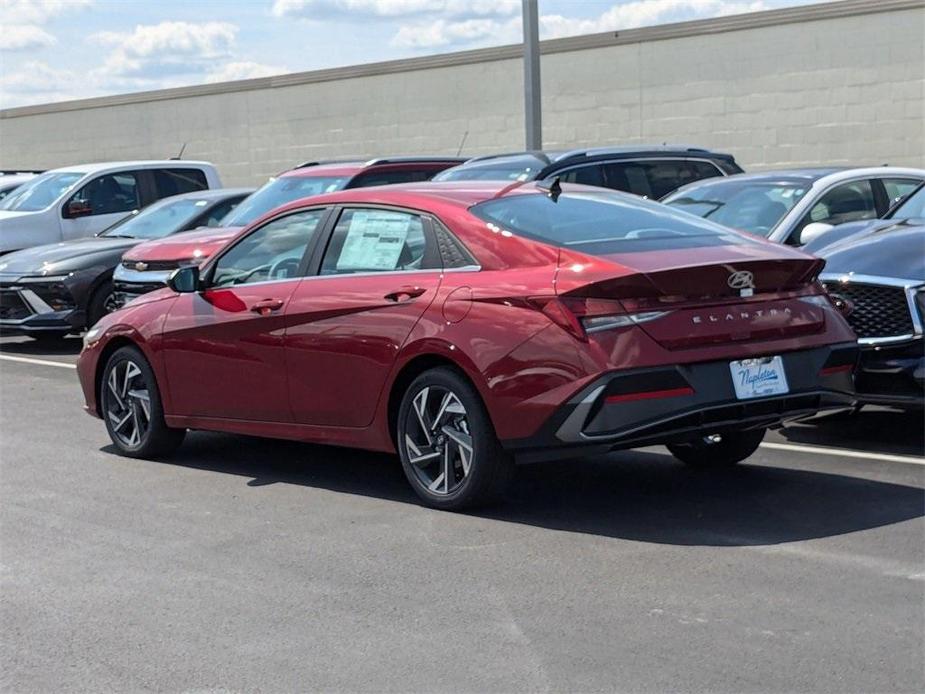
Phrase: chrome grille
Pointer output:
(879, 310)
(152, 265)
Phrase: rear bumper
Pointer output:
(627, 409)
(893, 375)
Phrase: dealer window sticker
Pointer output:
(375, 240)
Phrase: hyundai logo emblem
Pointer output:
(141, 267)
(741, 279)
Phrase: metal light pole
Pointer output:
(533, 120)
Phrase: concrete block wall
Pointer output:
(837, 83)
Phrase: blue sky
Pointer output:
(55, 50)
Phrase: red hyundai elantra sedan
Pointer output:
(469, 326)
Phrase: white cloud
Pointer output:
(24, 37)
(37, 82)
(168, 48)
(243, 70)
(322, 9)
(446, 33)
(37, 11)
(645, 13)
(21, 22)
(474, 32)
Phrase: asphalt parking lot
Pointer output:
(245, 564)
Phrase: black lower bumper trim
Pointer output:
(594, 421)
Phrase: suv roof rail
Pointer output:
(412, 160)
(629, 149)
(320, 162)
(13, 172)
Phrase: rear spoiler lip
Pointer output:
(576, 273)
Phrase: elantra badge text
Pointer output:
(740, 315)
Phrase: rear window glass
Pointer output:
(506, 170)
(602, 223)
(385, 178)
(176, 181)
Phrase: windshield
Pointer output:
(509, 171)
(40, 192)
(278, 192)
(912, 207)
(601, 223)
(749, 205)
(159, 220)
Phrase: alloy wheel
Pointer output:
(438, 443)
(129, 403)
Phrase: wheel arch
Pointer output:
(411, 369)
(111, 347)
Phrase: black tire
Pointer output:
(157, 439)
(490, 468)
(729, 449)
(96, 307)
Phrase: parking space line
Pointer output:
(844, 453)
(40, 362)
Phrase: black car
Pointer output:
(881, 278)
(60, 288)
(649, 171)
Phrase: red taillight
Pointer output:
(581, 316)
(556, 311)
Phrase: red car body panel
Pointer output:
(323, 368)
(190, 245)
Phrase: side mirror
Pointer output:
(185, 279)
(813, 231)
(77, 208)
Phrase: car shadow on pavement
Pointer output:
(634, 495)
(39, 348)
(874, 430)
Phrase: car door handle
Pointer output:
(405, 294)
(267, 306)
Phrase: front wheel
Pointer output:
(448, 447)
(132, 410)
(718, 450)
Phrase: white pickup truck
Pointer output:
(82, 200)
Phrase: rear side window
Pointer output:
(898, 188)
(602, 223)
(384, 178)
(176, 181)
(656, 178)
(374, 240)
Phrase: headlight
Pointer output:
(92, 335)
(51, 290)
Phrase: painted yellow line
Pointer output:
(40, 362)
(844, 453)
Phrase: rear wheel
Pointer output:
(718, 450)
(131, 406)
(447, 444)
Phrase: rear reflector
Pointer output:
(830, 370)
(649, 395)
